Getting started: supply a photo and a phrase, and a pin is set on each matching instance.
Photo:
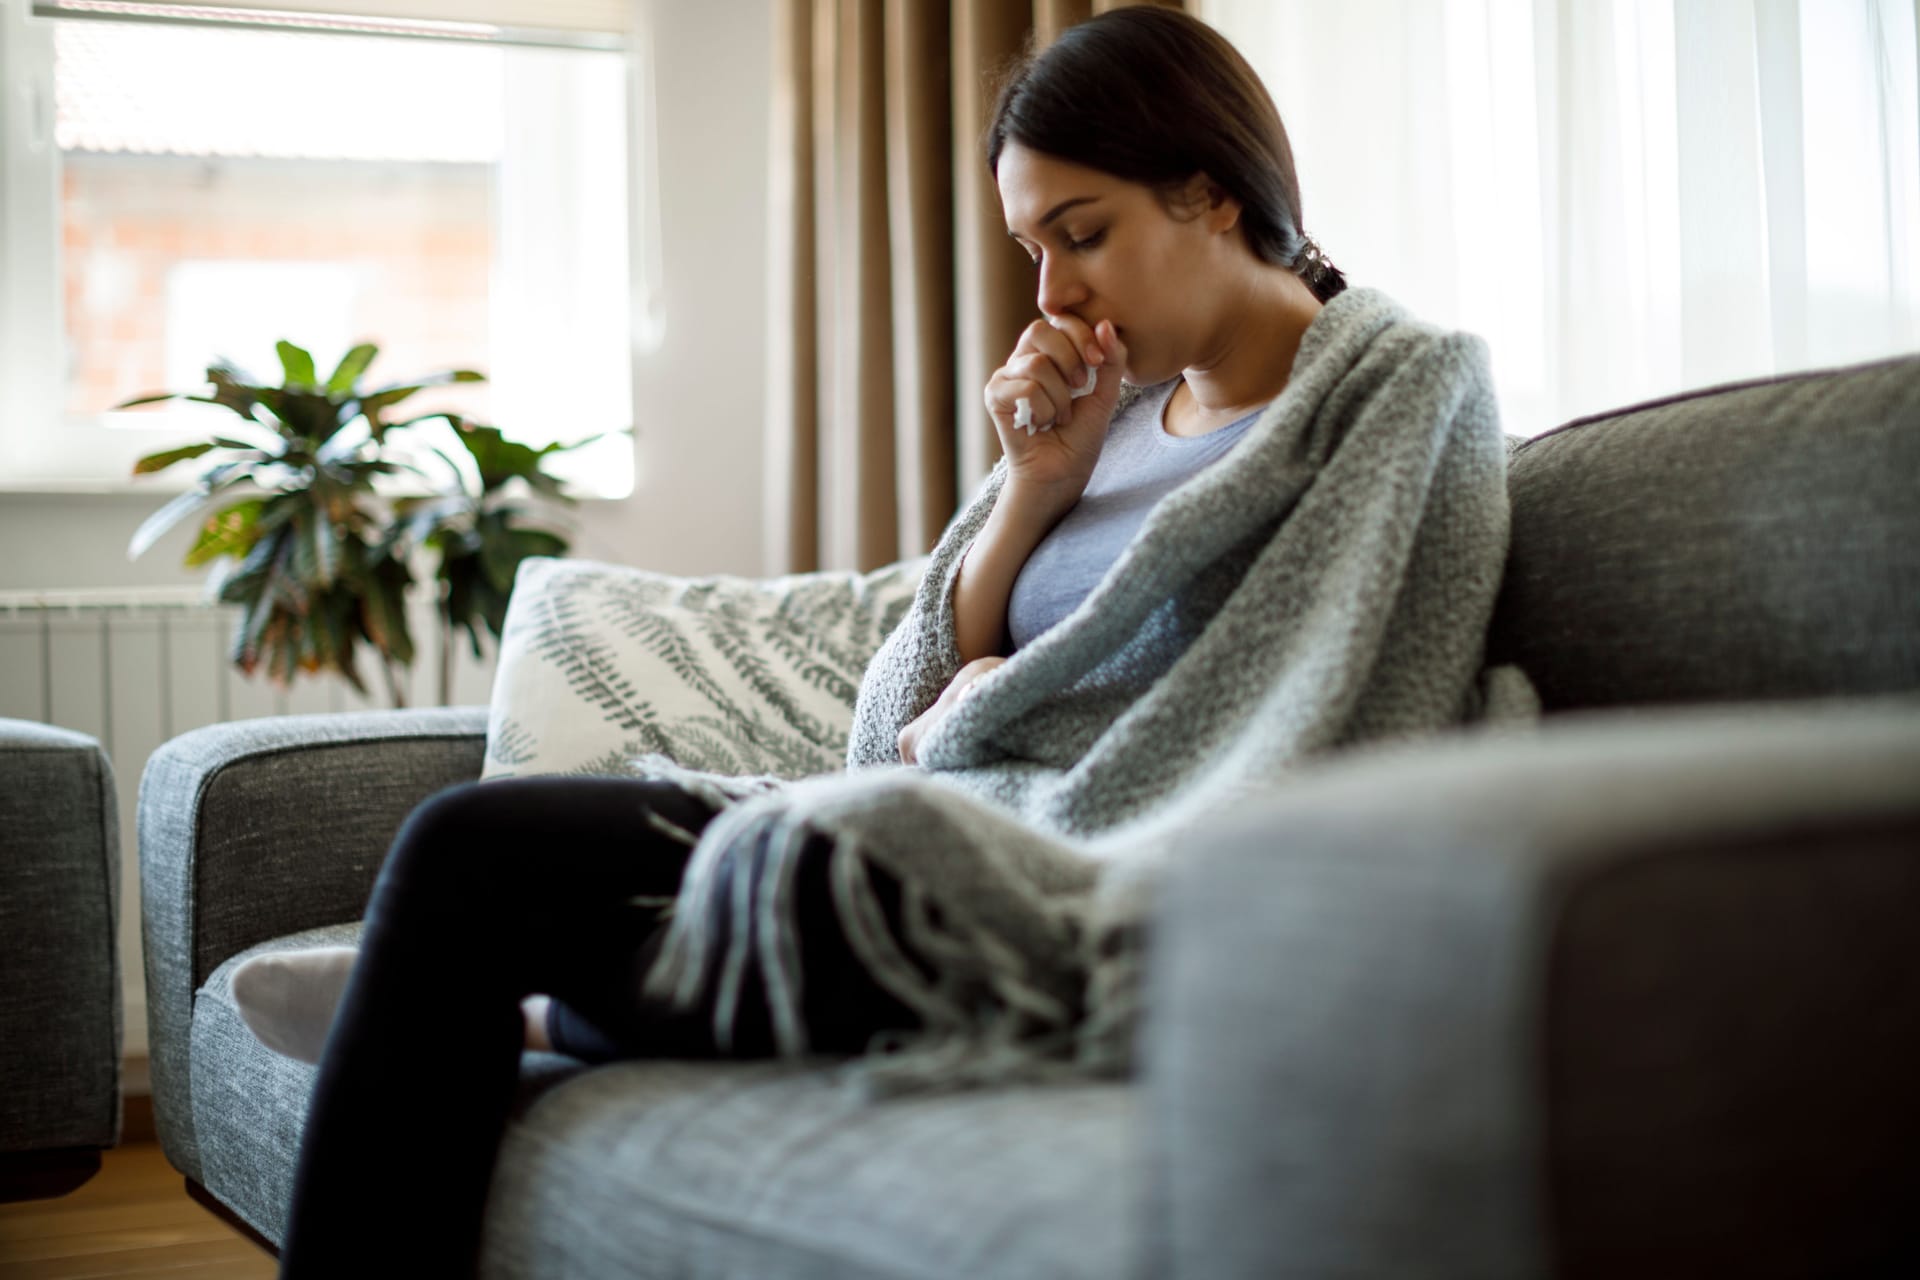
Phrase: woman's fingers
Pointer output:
(1087, 352)
(1047, 379)
(1069, 347)
(957, 689)
(1057, 361)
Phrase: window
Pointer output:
(177, 191)
(1625, 198)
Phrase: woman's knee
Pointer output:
(458, 835)
(542, 843)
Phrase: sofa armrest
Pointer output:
(258, 828)
(1628, 993)
(62, 1018)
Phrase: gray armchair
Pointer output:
(61, 1012)
(1634, 991)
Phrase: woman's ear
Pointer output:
(1223, 209)
(1209, 199)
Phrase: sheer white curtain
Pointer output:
(1626, 198)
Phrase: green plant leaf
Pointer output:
(497, 561)
(326, 557)
(283, 648)
(167, 457)
(223, 369)
(453, 469)
(302, 564)
(391, 468)
(429, 518)
(336, 614)
(282, 581)
(370, 406)
(454, 420)
(183, 505)
(536, 542)
(256, 613)
(550, 485)
(351, 366)
(316, 650)
(246, 584)
(233, 389)
(298, 364)
(502, 549)
(374, 402)
(581, 443)
(342, 445)
(314, 562)
(440, 379)
(491, 605)
(311, 415)
(154, 398)
(228, 532)
(383, 613)
(261, 450)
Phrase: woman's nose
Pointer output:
(1060, 288)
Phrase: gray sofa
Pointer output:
(1635, 991)
(62, 1020)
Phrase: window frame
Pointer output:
(44, 450)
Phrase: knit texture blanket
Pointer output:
(1326, 584)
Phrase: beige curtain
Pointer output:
(894, 290)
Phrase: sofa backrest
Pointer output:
(1747, 542)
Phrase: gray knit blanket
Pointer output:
(1328, 583)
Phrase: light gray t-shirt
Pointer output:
(1139, 464)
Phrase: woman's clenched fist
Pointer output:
(1056, 357)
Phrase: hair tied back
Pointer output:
(1317, 270)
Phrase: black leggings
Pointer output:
(492, 892)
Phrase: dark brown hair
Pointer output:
(1154, 96)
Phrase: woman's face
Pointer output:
(1107, 249)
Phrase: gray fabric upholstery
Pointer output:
(1746, 542)
(1473, 1022)
(757, 1170)
(724, 1169)
(261, 828)
(61, 1011)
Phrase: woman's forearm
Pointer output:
(985, 581)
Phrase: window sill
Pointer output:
(165, 486)
(95, 457)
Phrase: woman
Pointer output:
(1124, 608)
(1173, 224)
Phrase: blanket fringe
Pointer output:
(984, 1020)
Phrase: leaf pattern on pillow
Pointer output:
(602, 664)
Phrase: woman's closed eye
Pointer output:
(1077, 246)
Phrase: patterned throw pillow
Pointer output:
(600, 664)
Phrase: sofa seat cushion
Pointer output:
(750, 1169)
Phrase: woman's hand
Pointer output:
(1053, 358)
(957, 688)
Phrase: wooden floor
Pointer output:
(133, 1218)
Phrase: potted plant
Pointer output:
(479, 535)
(315, 561)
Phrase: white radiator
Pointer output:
(135, 667)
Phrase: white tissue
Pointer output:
(1023, 409)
